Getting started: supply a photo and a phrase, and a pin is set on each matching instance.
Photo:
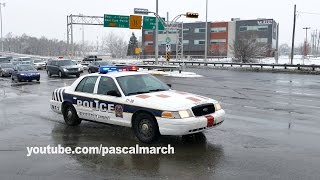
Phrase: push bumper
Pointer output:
(191, 125)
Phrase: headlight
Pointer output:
(22, 74)
(177, 114)
(64, 69)
(217, 107)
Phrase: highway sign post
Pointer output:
(149, 23)
(141, 11)
(135, 22)
(116, 21)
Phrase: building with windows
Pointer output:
(221, 36)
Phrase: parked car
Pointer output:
(63, 68)
(25, 72)
(39, 64)
(95, 65)
(6, 69)
(4, 60)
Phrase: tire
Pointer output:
(18, 79)
(49, 73)
(89, 71)
(77, 75)
(70, 115)
(38, 80)
(60, 74)
(146, 128)
(1, 75)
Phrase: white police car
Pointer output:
(137, 100)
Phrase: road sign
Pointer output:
(135, 22)
(168, 40)
(141, 11)
(168, 56)
(116, 21)
(149, 23)
(168, 47)
(137, 51)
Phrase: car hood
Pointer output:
(7, 69)
(28, 72)
(41, 63)
(171, 100)
(69, 67)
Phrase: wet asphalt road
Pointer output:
(272, 131)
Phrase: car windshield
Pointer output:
(38, 61)
(6, 65)
(66, 63)
(139, 84)
(26, 68)
(103, 63)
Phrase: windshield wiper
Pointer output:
(139, 92)
(155, 90)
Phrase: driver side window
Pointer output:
(107, 87)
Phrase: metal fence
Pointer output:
(225, 64)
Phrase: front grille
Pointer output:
(73, 69)
(203, 109)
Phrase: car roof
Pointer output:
(118, 74)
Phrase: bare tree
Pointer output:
(247, 48)
(115, 45)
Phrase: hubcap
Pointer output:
(69, 114)
(145, 128)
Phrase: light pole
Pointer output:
(306, 41)
(157, 31)
(1, 4)
(206, 37)
(82, 35)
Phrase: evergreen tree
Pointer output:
(133, 44)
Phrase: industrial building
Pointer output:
(221, 35)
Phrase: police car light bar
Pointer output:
(107, 69)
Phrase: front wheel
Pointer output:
(70, 115)
(146, 128)
(49, 73)
(60, 74)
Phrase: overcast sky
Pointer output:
(48, 17)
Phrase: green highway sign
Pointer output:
(116, 21)
(149, 23)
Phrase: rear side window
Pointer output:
(87, 84)
(106, 85)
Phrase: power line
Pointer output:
(311, 13)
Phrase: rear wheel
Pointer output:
(38, 79)
(146, 128)
(70, 115)
(49, 73)
(60, 74)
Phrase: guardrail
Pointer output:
(225, 64)
(153, 66)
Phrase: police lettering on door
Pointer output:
(103, 107)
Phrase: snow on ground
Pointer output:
(172, 73)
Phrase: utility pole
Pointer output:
(294, 31)
(1, 4)
(206, 37)
(306, 41)
(156, 38)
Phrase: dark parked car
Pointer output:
(63, 68)
(6, 69)
(25, 72)
(95, 65)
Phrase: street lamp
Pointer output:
(1, 4)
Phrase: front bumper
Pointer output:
(29, 77)
(67, 73)
(191, 125)
(56, 106)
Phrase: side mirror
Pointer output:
(169, 85)
(114, 93)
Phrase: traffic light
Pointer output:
(192, 15)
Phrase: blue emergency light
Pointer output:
(107, 69)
